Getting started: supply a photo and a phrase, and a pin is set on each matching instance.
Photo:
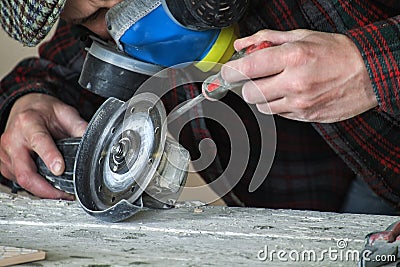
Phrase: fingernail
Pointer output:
(70, 197)
(225, 74)
(252, 94)
(82, 128)
(56, 167)
(245, 94)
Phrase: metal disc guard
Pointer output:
(125, 160)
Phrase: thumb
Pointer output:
(70, 120)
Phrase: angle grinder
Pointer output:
(125, 161)
(150, 35)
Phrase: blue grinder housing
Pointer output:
(157, 39)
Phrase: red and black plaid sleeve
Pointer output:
(55, 73)
(370, 143)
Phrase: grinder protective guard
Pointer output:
(111, 73)
(118, 170)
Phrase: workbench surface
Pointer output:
(185, 236)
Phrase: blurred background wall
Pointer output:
(11, 52)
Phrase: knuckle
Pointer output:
(63, 111)
(23, 180)
(5, 140)
(298, 86)
(301, 105)
(247, 68)
(301, 32)
(298, 54)
(37, 139)
(24, 118)
(43, 105)
(63, 108)
(260, 34)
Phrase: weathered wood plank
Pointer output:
(209, 236)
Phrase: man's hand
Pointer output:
(308, 76)
(34, 120)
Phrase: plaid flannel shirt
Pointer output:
(314, 163)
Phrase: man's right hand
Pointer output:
(34, 122)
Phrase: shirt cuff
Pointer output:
(7, 101)
(379, 44)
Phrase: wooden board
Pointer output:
(185, 236)
(12, 255)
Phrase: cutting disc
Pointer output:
(118, 156)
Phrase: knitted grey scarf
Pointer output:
(29, 21)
